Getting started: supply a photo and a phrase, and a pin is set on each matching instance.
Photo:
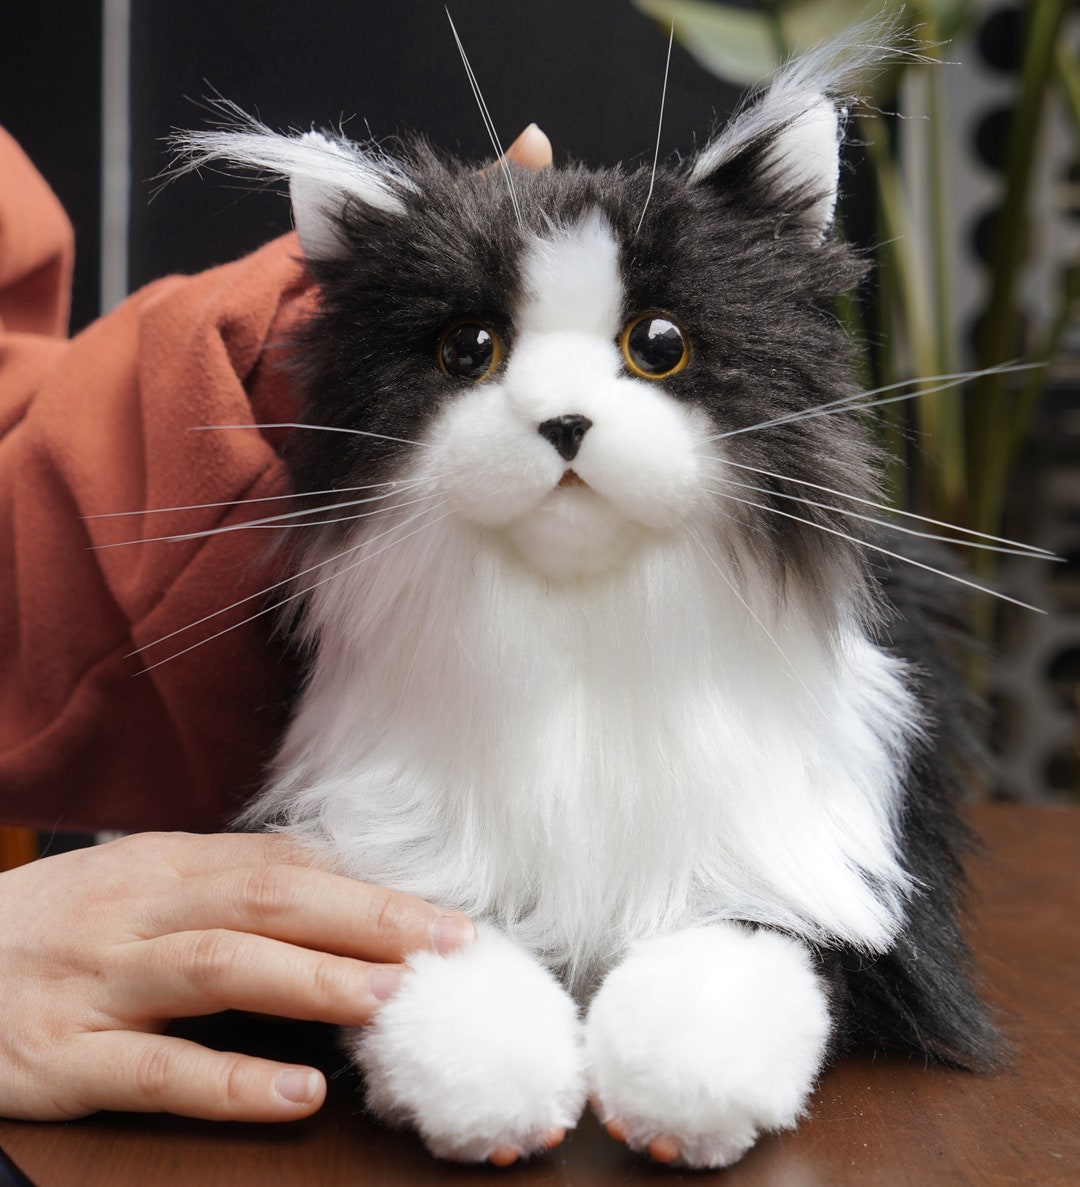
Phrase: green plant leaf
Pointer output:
(1067, 65)
(809, 23)
(735, 44)
(745, 45)
(945, 17)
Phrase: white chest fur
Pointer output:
(593, 761)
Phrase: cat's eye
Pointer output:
(654, 346)
(469, 350)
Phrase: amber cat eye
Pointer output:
(654, 346)
(469, 349)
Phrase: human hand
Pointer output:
(100, 948)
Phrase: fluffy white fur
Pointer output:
(591, 763)
(477, 1050)
(708, 1036)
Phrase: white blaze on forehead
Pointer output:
(572, 280)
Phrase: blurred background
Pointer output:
(963, 181)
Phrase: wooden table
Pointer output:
(874, 1123)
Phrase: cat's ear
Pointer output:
(326, 176)
(783, 151)
(335, 174)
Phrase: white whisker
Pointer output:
(659, 128)
(489, 124)
(861, 400)
(877, 548)
(939, 523)
(315, 523)
(264, 591)
(884, 523)
(290, 494)
(749, 610)
(270, 521)
(313, 428)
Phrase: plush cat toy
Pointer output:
(603, 646)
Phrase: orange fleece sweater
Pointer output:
(101, 424)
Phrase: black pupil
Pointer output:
(655, 345)
(468, 350)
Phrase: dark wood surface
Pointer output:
(873, 1123)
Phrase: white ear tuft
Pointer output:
(795, 139)
(792, 133)
(806, 155)
(318, 197)
(324, 175)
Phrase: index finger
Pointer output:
(200, 853)
(308, 907)
(269, 884)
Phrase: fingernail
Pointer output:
(384, 980)
(451, 932)
(297, 1085)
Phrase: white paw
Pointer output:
(701, 1040)
(480, 1051)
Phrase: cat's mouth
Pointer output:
(572, 478)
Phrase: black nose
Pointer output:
(566, 433)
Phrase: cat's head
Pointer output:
(575, 363)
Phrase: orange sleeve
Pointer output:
(89, 738)
(36, 248)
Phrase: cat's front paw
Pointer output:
(702, 1040)
(480, 1051)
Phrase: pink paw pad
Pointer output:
(508, 1155)
(661, 1149)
